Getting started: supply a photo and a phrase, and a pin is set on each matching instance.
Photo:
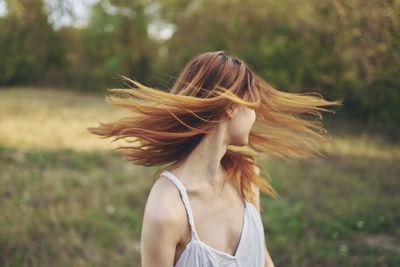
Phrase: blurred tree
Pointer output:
(116, 41)
(366, 35)
(342, 49)
(285, 48)
(29, 46)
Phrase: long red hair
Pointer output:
(165, 127)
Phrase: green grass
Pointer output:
(66, 200)
(66, 208)
(327, 208)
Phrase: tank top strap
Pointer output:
(185, 200)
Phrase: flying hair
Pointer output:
(165, 127)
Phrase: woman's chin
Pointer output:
(240, 142)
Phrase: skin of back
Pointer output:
(164, 224)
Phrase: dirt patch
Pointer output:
(383, 241)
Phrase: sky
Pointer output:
(80, 8)
(159, 30)
(3, 9)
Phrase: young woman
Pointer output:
(204, 208)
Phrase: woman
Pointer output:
(204, 210)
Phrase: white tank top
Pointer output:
(249, 253)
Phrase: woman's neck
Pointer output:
(203, 165)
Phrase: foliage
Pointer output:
(29, 46)
(342, 49)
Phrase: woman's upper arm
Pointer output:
(161, 230)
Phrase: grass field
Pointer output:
(67, 200)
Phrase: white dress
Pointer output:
(250, 251)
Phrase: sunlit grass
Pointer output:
(49, 119)
(362, 145)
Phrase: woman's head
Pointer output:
(209, 73)
(165, 127)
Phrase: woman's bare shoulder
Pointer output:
(164, 204)
(163, 226)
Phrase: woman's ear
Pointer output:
(229, 112)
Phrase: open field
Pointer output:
(67, 200)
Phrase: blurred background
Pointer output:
(67, 199)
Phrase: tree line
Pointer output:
(346, 50)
